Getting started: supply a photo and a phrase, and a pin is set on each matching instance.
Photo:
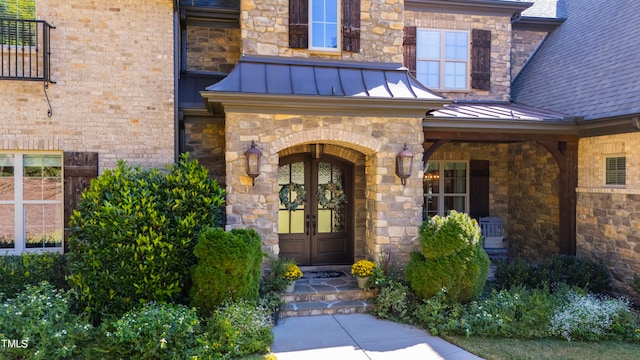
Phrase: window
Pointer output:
(31, 201)
(323, 31)
(12, 30)
(445, 188)
(442, 58)
(18, 9)
(319, 24)
(615, 170)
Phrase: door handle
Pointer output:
(314, 224)
(307, 224)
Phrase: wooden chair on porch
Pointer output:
(494, 240)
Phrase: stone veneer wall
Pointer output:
(498, 170)
(114, 84)
(533, 201)
(523, 44)
(391, 211)
(212, 49)
(500, 28)
(205, 141)
(608, 218)
(265, 31)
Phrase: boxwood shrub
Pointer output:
(228, 267)
(133, 235)
(451, 258)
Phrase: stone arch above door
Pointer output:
(358, 142)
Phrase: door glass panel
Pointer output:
(331, 198)
(324, 221)
(291, 212)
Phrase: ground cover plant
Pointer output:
(39, 325)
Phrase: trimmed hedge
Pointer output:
(228, 268)
(18, 271)
(134, 232)
(559, 269)
(452, 258)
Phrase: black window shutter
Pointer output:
(299, 23)
(480, 59)
(351, 25)
(79, 169)
(478, 188)
(409, 49)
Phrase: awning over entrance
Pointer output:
(313, 84)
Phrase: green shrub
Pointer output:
(237, 329)
(515, 313)
(155, 331)
(439, 316)
(228, 267)
(17, 271)
(393, 301)
(452, 258)
(39, 320)
(559, 269)
(134, 232)
(573, 271)
(516, 273)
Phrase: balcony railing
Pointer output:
(25, 50)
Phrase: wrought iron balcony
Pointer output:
(25, 51)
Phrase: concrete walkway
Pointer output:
(358, 337)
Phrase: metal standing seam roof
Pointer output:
(302, 76)
(499, 110)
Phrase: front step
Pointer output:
(326, 296)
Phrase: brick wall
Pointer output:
(112, 62)
(608, 218)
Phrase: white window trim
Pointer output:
(441, 60)
(338, 30)
(18, 202)
(441, 195)
(605, 169)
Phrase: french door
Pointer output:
(316, 212)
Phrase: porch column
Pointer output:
(566, 155)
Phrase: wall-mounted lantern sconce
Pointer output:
(253, 156)
(403, 164)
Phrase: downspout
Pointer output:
(176, 79)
